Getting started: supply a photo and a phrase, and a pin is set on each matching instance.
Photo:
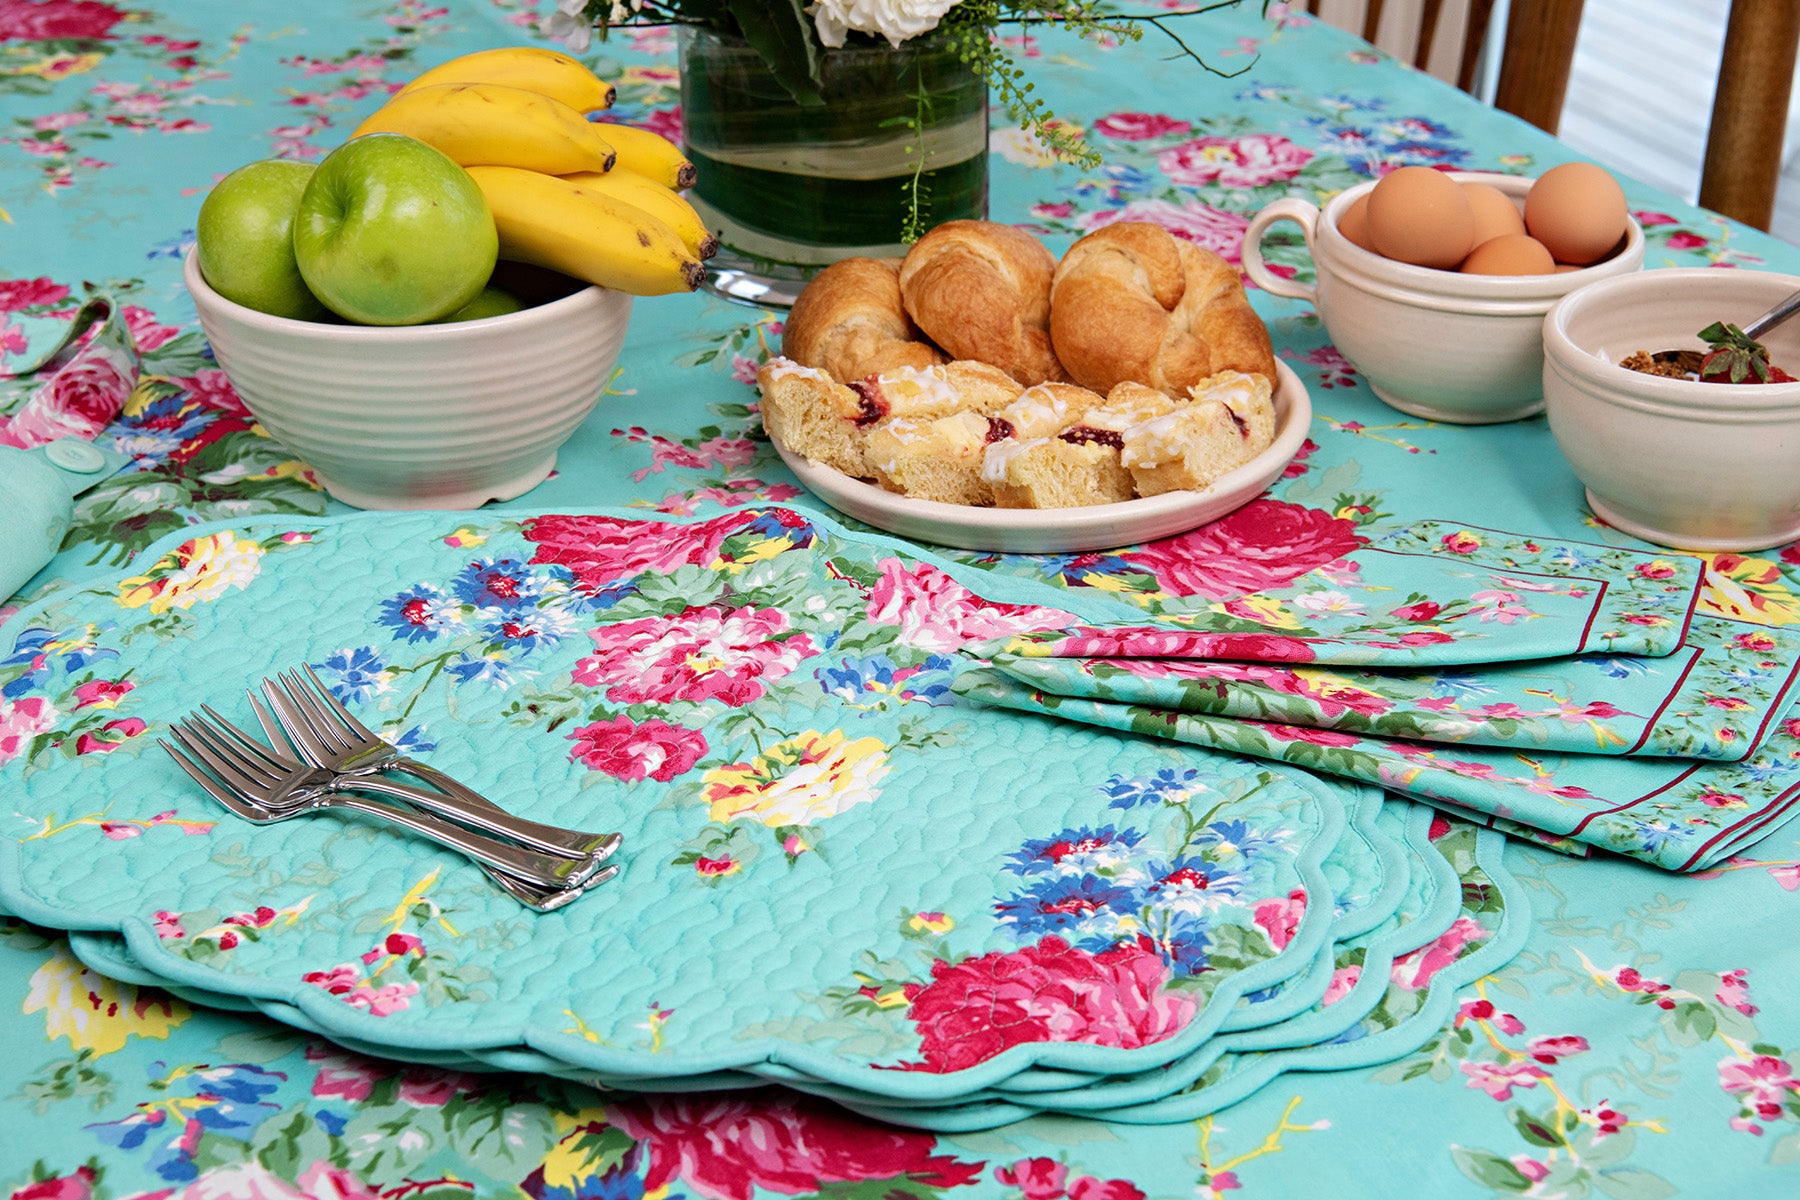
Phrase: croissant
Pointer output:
(981, 290)
(1132, 302)
(849, 322)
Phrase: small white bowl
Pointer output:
(1466, 349)
(421, 416)
(1696, 466)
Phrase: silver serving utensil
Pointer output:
(283, 788)
(1690, 360)
(539, 899)
(327, 735)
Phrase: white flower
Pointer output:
(569, 25)
(895, 20)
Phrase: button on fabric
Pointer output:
(72, 455)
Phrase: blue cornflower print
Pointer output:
(1183, 942)
(620, 1183)
(1191, 885)
(1619, 668)
(1224, 838)
(161, 428)
(1747, 676)
(355, 675)
(1572, 559)
(175, 247)
(1452, 684)
(496, 583)
(525, 630)
(1075, 850)
(419, 613)
(492, 668)
(856, 680)
(1167, 786)
(1765, 769)
(413, 740)
(1074, 906)
(226, 1099)
(1658, 835)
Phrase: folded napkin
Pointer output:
(1430, 594)
(1717, 697)
(1678, 814)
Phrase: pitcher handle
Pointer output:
(1300, 213)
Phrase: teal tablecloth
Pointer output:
(1642, 1044)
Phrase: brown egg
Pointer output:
(1419, 216)
(1495, 212)
(1509, 254)
(1354, 224)
(1578, 211)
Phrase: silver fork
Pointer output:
(282, 788)
(327, 735)
(540, 899)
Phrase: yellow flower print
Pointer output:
(1752, 590)
(656, 77)
(1023, 147)
(805, 779)
(464, 538)
(94, 1012)
(56, 66)
(195, 571)
(931, 922)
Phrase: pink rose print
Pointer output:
(427, 1088)
(1414, 971)
(1424, 610)
(1316, 737)
(342, 1074)
(1755, 641)
(381, 1001)
(78, 401)
(168, 924)
(338, 981)
(1484, 1010)
(1280, 918)
(1461, 543)
(1685, 241)
(23, 21)
(1265, 544)
(1764, 1083)
(1139, 127)
(21, 721)
(713, 867)
(110, 737)
(101, 693)
(1549, 1049)
(1050, 992)
(1036, 1178)
(627, 750)
(326, 1182)
(1530, 1167)
(603, 551)
(699, 654)
(211, 388)
(1242, 162)
(1343, 980)
(16, 294)
(1787, 875)
(78, 1185)
(1088, 1188)
(1209, 228)
(725, 1146)
(1734, 992)
(1499, 1079)
(146, 333)
(934, 612)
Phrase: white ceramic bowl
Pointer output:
(421, 416)
(1467, 349)
(1699, 466)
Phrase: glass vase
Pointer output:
(790, 188)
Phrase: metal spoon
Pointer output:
(1689, 360)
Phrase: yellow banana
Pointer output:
(534, 68)
(489, 124)
(645, 193)
(649, 154)
(550, 222)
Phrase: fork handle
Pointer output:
(521, 863)
(551, 839)
(486, 816)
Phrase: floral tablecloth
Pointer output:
(1641, 1045)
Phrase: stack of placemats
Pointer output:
(869, 855)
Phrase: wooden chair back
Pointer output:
(1742, 167)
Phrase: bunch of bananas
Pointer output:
(591, 199)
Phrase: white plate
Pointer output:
(1062, 530)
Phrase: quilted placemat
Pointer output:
(1716, 697)
(1677, 814)
(759, 702)
(1487, 931)
(1276, 582)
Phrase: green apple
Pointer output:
(245, 239)
(492, 302)
(391, 231)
